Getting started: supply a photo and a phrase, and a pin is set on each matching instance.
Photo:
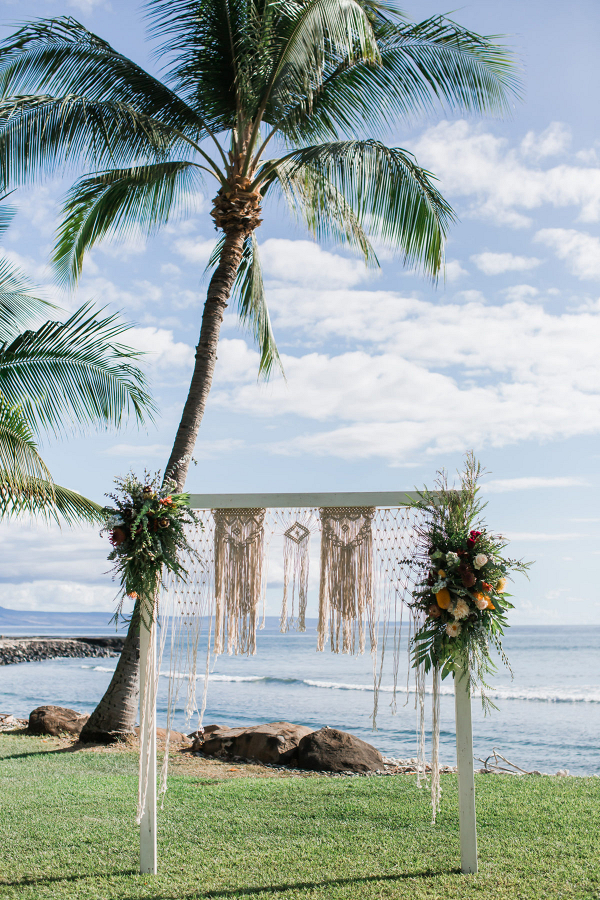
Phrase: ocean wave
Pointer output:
(99, 668)
(585, 694)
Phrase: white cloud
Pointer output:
(520, 292)
(580, 251)
(305, 263)
(202, 450)
(496, 263)
(500, 184)
(424, 377)
(529, 483)
(87, 6)
(195, 250)
(453, 270)
(163, 351)
(138, 452)
(170, 269)
(553, 141)
(543, 536)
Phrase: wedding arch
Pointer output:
(366, 578)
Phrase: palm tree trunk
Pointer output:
(219, 292)
(115, 715)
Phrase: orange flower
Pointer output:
(133, 595)
(443, 598)
(441, 573)
(487, 587)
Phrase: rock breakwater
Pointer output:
(35, 649)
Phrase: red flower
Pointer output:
(467, 576)
(473, 538)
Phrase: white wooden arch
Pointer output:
(464, 730)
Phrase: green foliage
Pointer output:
(146, 527)
(284, 837)
(462, 590)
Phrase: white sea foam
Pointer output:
(98, 668)
(584, 694)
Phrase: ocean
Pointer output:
(548, 715)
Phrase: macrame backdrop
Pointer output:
(346, 582)
(365, 578)
(239, 555)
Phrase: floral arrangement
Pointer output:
(462, 590)
(146, 527)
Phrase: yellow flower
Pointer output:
(501, 586)
(443, 598)
(441, 573)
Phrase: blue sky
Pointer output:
(388, 377)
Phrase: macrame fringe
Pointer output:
(296, 559)
(239, 552)
(346, 583)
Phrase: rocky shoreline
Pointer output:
(35, 649)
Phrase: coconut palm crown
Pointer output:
(260, 98)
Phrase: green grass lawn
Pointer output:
(67, 831)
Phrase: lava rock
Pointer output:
(330, 750)
(56, 720)
(275, 742)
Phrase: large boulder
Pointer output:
(330, 750)
(56, 720)
(274, 742)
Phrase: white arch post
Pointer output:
(148, 858)
(466, 777)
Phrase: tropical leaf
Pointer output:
(43, 134)
(393, 199)
(122, 201)
(74, 371)
(322, 208)
(249, 295)
(435, 62)
(18, 304)
(60, 57)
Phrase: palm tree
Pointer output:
(265, 99)
(51, 376)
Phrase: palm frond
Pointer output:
(44, 499)
(248, 293)
(7, 214)
(59, 56)
(435, 62)
(392, 197)
(322, 208)
(121, 201)
(19, 457)
(18, 304)
(74, 371)
(43, 134)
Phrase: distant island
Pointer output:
(40, 622)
